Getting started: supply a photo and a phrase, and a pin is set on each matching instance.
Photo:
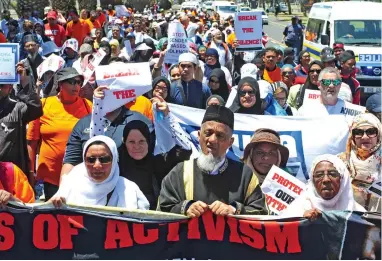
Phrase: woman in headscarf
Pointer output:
(297, 92)
(363, 157)
(212, 62)
(247, 99)
(161, 88)
(202, 53)
(105, 46)
(328, 189)
(218, 84)
(97, 180)
(215, 100)
(138, 162)
(276, 104)
(162, 44)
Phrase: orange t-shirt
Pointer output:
(101, 19)
(78, 30)
(20, 188)
(142, 105)
(272, 76)
(94, 24)
(111, 13)
(54, 127)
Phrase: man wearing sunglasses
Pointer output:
(329, 104)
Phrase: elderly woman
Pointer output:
(264, 151)
(288, 75)
(363, 158)
(328, 189)
(97, 181)
(247, 99)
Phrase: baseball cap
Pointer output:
(327, 57)
(51, 14)
(67, 73)
(373, 103)
(346, 56)
(249, 69)
(338, 45)
(326, 50)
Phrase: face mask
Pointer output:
(218, 41)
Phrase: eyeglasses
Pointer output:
(262, 154)
(315, 71)
(160, 88)
(74, 81)
(371, 133)
(102, 160)
(327, 82)
(212, 81)
(332, 174)
(288, 73)
(243, 93)
(30, 45)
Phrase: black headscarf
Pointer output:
(223, 90)
(256, 108)
(139, 57)
(308, 85)
(208, 68)
(139, 171)
(155, 82)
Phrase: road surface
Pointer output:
(274, 30)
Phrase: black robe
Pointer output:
(230, 186)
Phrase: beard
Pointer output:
(208, 162)
(32, 56)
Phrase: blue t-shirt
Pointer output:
(195, 93)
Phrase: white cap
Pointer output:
(249, 69)
(188, 57)
(118, 21)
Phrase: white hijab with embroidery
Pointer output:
(309, 199)
(79, 188)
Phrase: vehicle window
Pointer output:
(227, 8)
(358, 32)
(327, 32)
(314, 30)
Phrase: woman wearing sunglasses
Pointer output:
(97, 181)
(247, 99)
(329, 188)
(363, 158)
(52, 130)
(218, 84)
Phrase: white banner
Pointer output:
(305, 138)
(177, 42)
(281, 189)
(52, 63)
(248, 30)
(126, 81)
(121, 10)
(311, 95)
(90, 68)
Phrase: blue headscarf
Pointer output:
(208, 68)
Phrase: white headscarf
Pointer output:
(79, 188)
(344, 200)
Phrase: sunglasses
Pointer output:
(74, 81)
(160, 88)
(243, 93)
(327, 82)
(212, 81)
(288, 73)
(331, 174)
(371, 133)
(315, 71)
(102, 160)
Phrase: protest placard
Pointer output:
(125, 81)
(312, 95)
(90, 68)
(248, 30)
(121, 11)
(52, 63)
(375, 188)
(177, 42)
(9, 57)
(281, 189)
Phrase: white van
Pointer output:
(225, 8)
(358, 25)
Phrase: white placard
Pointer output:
(281, 189)
(9, 57)
(311, 95)
(177, 42)
(248, 30)
(90, 67)
(52, 63)
(121, 11)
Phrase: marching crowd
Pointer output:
(45, 119)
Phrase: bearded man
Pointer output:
(212, 181)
